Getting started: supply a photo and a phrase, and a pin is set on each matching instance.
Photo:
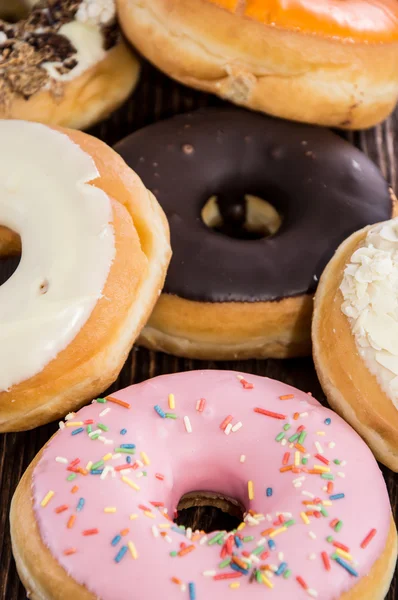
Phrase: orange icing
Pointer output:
(357, 20)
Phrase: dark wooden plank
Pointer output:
(157, 97)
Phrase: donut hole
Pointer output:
(10, 253)
(208, 511)
(252, 218)
(13, 11)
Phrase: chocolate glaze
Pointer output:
(324, 188)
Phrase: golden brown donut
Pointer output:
(64, 63)
(355, 369)
(131, 246)
(326, 62)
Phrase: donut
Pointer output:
(64, 63)
(326, 62)
(95, 250)
(99, 499)
(15, 10)
(229, 298)
(354, 332)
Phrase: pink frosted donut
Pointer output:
(91, 517)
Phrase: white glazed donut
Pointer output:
(94, 254)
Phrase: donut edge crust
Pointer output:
(205, 47)
(230, 330)
(350, 387)
(45, 579)
(94, 366)
(85, 100)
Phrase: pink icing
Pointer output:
(208, 459)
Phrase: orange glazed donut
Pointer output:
(326, 61)
(95, 248)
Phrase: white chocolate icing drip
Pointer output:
(370, 292)
(67, 246)
(88, 41)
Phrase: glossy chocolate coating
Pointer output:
(324, 188)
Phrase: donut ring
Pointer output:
(228, 298)
(326, 62)
(354, 353)
(116, 519)
(64, 64)
(95, 251)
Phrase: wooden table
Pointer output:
(157, 97)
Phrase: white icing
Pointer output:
(67, 246)
(96, 12)
(88, 41)
(370, 292)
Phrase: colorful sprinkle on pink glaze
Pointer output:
(303, 533)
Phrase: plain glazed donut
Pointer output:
(318, 521)
(326, 62)
(64, 64)
(228, 298)
(95, 250)
(355, 335)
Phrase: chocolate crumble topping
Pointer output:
(111, 36)
(51, 46)
(27, 44)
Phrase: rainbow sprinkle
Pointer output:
(121, 554)
(368, 538)
(47, 498)
(250, 490)
(269, 413)
(159, 411)
(187, 424)
(192, 591)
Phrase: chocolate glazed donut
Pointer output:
(242, 277)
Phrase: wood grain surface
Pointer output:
(157, 97)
